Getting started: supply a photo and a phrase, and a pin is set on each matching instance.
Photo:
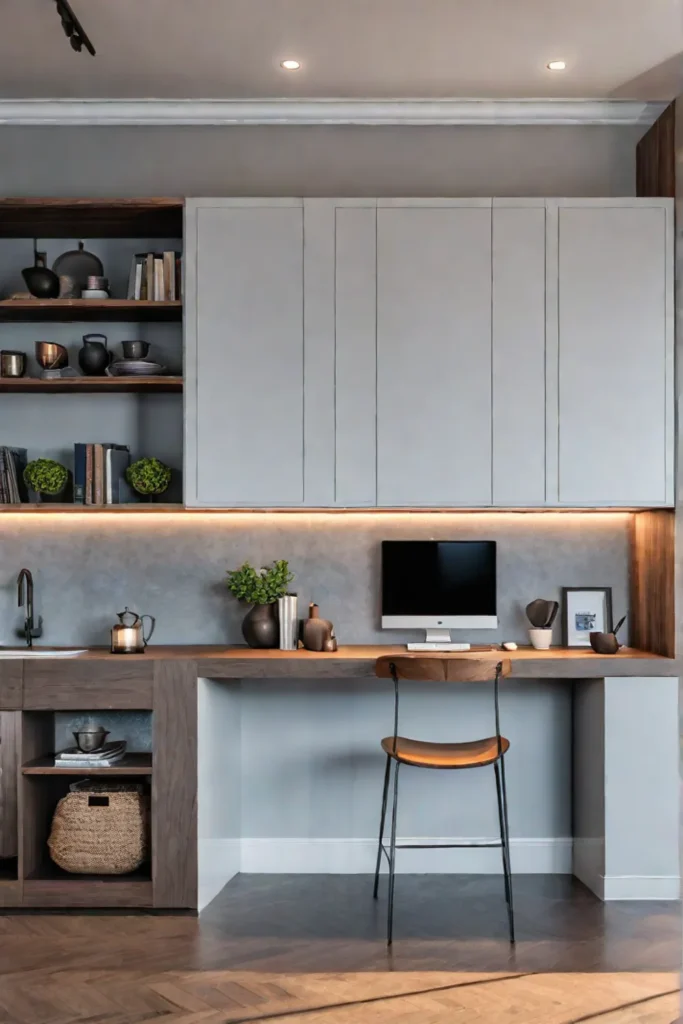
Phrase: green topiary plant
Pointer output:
(148, 476)
(260, 586)
(45, 476)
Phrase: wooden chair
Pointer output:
(451, 756)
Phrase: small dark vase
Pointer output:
(94, 357)
(260, 626)
(604, 643)
(41, 282)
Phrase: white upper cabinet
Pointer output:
(434, 354)
(245, 353)
(615, 353)
(429, 353)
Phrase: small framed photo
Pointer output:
(585, 610)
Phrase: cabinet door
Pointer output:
(519, 354)
(434, 354)
(615, 354)
(245, 353)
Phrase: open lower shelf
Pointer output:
(90, 385)
(132, 764)
(50, 886)
(79, 310)
(48, 871)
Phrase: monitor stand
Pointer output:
(438, 636)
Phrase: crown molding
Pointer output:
(328, 112)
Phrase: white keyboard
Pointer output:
(439, 647)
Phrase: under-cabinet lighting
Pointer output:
(290, 65)
(556, 65)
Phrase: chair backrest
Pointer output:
(433, 669)
(430, 669)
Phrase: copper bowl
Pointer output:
(51, 356)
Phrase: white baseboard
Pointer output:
(219, 861)
(641, 887)
(357, 856)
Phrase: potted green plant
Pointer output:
(260, 588)
(47, 478)
(149, 477)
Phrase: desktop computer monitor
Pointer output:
(439, 585)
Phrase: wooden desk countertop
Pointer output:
(218, 662)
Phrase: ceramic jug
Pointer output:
(94, 357)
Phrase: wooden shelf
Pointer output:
(132, 764)
(91, 218)
(132, 507)
(89, 385)
(50, 886)
(84, 310)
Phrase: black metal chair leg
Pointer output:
(501, 824)
(385, 793)
(506, 850)
(392, 860)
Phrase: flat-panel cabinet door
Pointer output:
(433, 355)
(519, 354)
(615, 355)
(245, 353)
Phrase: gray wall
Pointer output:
(319, 161)
(173, 567)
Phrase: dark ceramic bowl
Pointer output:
(41, 282)
(604, 643)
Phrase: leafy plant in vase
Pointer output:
(149, 477)
(47, 478)
(261, 589)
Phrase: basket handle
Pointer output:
(98, 801)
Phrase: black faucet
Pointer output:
(29, 632)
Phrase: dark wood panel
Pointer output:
(91, 218)
(131, 764)
(174, 784)
(73, 684)
(10, 748)
(82, 310)
(656, 157)
(653, 616)
(10, 893)
(11, 684)
(117, 892)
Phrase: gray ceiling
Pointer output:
(348, 48)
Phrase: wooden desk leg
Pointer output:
(174, 784)
(626, 787)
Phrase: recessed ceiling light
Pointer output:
(290, 65)
(556, 65)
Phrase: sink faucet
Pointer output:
(29, 632)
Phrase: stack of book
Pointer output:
(106, 757)
(12, 466)
(155, 276)
(100, 474)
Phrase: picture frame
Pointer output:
(585, 610)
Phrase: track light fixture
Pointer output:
(73, 30)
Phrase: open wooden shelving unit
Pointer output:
(153, 218)
(88, 310)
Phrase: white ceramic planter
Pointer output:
(541, 638)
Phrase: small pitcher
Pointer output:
(94, 357)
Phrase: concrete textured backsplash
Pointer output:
(172, 566)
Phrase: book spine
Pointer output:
(158, 279)
(4, 496)
(79, 473)
(137, 293)
(178, 276)
(149, 276)
(88, 474)
(169, 276)
(98, 475)
(130, 292)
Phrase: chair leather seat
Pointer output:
(445, 755)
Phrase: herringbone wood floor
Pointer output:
(309, 950)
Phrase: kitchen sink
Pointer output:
(41, 652)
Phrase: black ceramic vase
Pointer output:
(94, 357)
(260, 626)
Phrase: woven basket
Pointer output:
(100, 828)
